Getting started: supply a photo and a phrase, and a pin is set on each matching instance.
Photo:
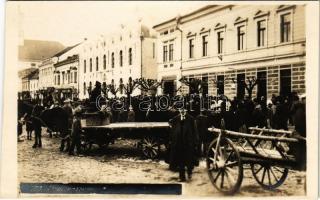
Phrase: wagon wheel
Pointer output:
(268, 176)
(150, 147)
(226, 170)
(86, 146)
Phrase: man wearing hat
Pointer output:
(95, 92)
(66, 136)
(184, 142)
(76, 132)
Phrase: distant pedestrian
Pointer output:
(131, 115)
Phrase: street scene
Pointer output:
(212, 98)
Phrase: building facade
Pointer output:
(34, 83)
(65, 74)
(29, 85)
(228, 45)
(116, 57)
(46, 76)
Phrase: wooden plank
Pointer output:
(262, 137)
(268, 153)
(131, 125)
(271, 131)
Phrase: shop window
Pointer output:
(262, 84)
(285, 82)
(240, 85)
(220, 84)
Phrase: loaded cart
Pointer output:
(151, 134)
(268, 153)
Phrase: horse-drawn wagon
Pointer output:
(151, 135)
(266, 152)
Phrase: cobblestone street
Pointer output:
(122, 163)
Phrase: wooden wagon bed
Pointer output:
(151, 135)
(131, 125)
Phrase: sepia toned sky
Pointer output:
(70, 22)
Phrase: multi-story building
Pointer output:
(31, 55)
(65, 74)
(225, 45)
(46, 70)
(30, 85)
(34, 83)
(116, 57)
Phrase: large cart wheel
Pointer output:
(150, 147)
(269, 177)
(224, 166)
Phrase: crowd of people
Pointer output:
(188, 117)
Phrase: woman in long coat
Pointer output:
(183, 144)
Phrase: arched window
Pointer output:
(104, 87)
(121, 86)
(104, 61)
(90, 86)
(84, 88)
(90, 64)
(84, 66)
(97, 63)
(120, 58)
(112, 60)
(130, 56)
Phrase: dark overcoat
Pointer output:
(202, 125)
(184, 142)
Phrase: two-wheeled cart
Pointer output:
(266, 152)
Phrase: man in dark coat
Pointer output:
(183, 144)
(29, 127)
(202, 125)
(76, 133)
(298, 112)
(36, 122)
(66, 134)
(95, 93)
(299, 119)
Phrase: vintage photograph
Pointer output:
(163, 98)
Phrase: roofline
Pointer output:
(165, 22)
(29, 60)
(68, 49)
(189, 14)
